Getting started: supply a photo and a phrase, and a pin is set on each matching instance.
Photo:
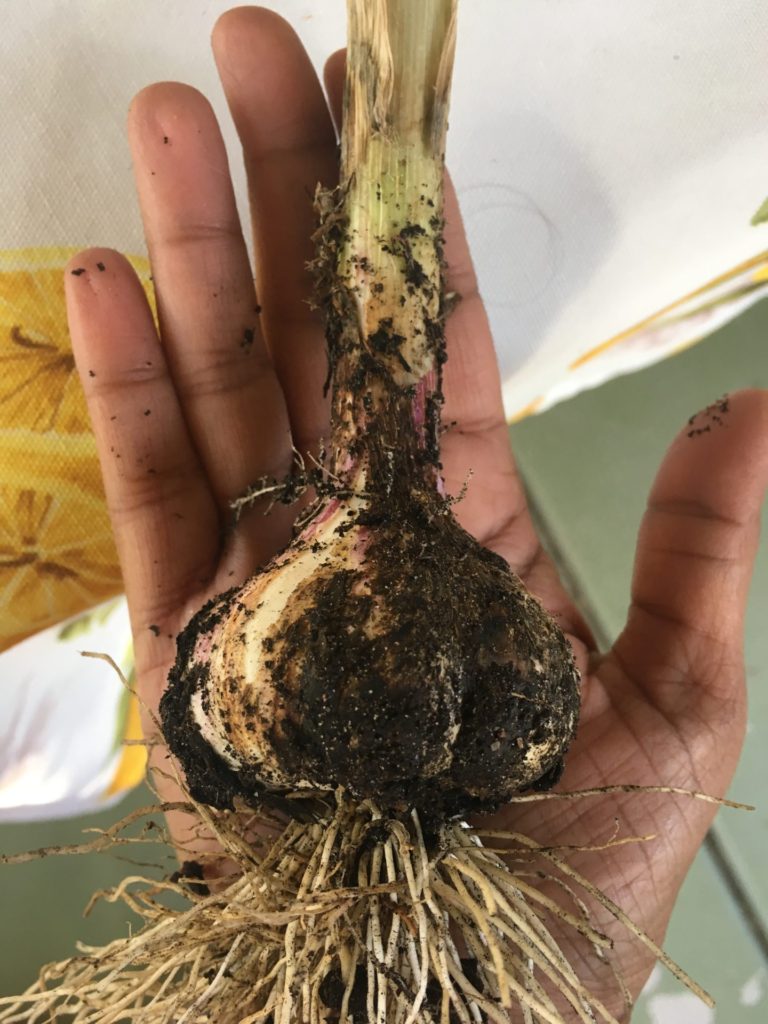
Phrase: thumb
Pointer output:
(684, 635)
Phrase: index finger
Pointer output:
(695, 557)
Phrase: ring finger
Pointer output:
(207, 306)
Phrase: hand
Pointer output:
(186, 419)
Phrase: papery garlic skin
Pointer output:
(241, 648)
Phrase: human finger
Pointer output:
(207, 306)
(289, 147)
(163, 514)
(684, 635)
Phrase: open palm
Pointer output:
(187, 419)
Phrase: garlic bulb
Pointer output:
(384, 650)
(395, 657)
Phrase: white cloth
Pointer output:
(609, 156)
(62, 718)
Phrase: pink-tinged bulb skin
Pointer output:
(387, 653)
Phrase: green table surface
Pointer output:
(43, 901)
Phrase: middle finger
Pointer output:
(289, 142)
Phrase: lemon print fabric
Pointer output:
(63, 718)
(57, 555)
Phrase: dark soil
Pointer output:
(434, 632)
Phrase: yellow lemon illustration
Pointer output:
(57, 555)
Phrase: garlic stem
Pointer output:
(386, 330)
